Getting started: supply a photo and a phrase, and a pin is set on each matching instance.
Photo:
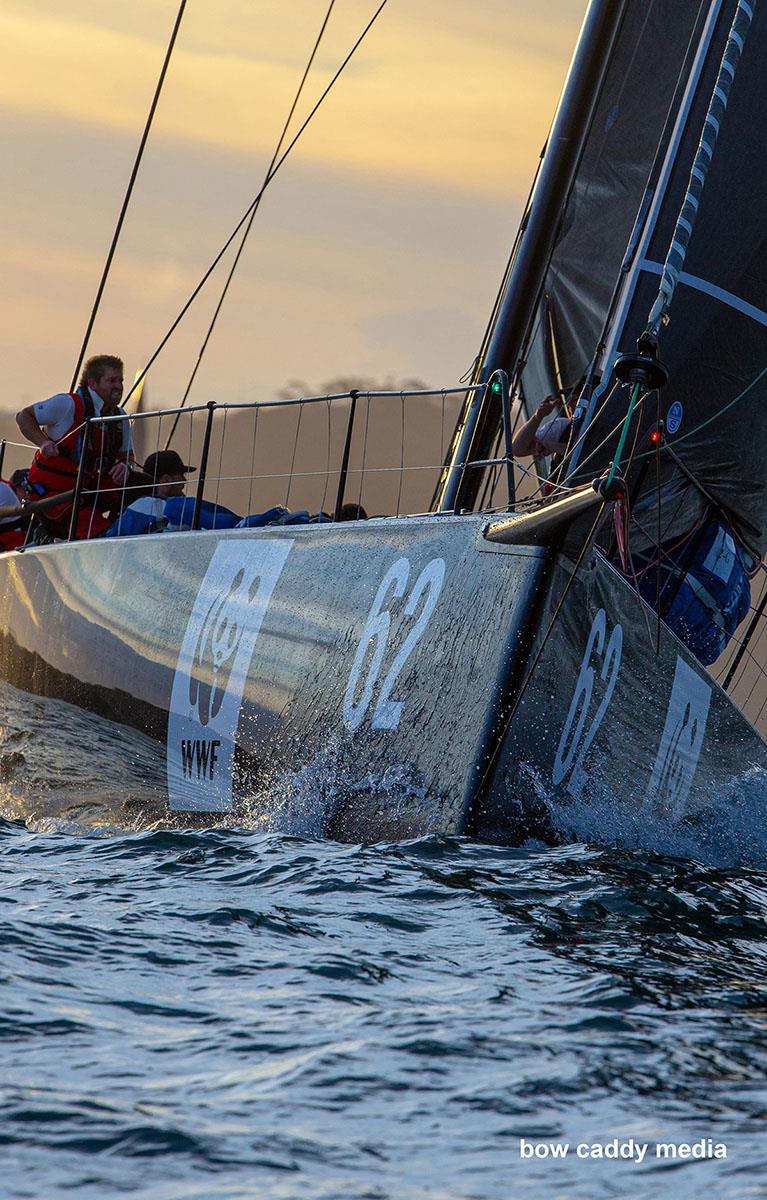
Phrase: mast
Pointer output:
(505, 340)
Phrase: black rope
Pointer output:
(255, 202)
(249, 225)
(126, 201)
(293, 459)
(654, 641)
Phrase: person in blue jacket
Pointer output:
(147, 514)
(166, 507)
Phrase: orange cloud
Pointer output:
(413, 103)
(380, 247)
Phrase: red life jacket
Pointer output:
(59, 472)
(11, 537)
(12, 530)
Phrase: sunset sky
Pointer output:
(379, 246)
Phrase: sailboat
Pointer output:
(508, 671)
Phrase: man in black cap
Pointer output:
(147, 514)
(167, 472)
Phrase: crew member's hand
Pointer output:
(546, 407)
(119, 473)
(48, 449)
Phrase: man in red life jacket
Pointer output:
(57, 425)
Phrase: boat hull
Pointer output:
(340, 680)
(376, 680)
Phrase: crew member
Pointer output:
(538, 436)
(167, 468)
(57, 426)
(13, 529)
(166, 472)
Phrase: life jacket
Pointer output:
(12, 529)
(11, 537)
(59, 472)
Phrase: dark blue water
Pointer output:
(234, 1014)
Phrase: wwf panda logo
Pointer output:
(217, 644)
(213, 669)
(672, 782)
(680, 744)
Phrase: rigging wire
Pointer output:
(523, 225)
(623, 435)
(126, 200)
(627, 505)
(255, 202)
(566, 489)
(550, 481)
(680, 240)
(757, 615)
(541, 309)
(643, 214)
(474, 372)
(252, 218)
(746, 647)
(628, 570)
(578, 443)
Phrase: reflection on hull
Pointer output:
(48, 752)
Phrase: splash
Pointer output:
(328, 798)
(726, 829)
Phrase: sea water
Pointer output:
(231, 1013)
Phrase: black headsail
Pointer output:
(715, 342)
(581, 222)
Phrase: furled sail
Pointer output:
(715, 344)
(644, 82)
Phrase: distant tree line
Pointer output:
(294, 388)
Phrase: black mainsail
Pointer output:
(715, 344)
